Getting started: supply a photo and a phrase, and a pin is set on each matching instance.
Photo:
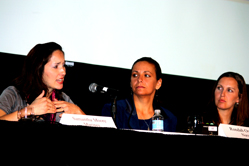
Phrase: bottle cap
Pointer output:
(157, 111)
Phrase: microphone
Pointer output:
(93, 87)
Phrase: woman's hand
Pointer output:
(68, 108)
(43, 105)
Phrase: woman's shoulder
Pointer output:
(121, 105)
(12, 94)
(66, 97)
(10, 90)
(124, 102)
(11, 100)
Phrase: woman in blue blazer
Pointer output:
(137, 111)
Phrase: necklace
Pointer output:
(147, 124)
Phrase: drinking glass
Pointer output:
(194, 123)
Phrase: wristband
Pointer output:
(26, 112)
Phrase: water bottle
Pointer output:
(157, 121)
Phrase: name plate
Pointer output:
(233, 131)
(87, 120)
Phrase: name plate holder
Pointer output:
(87, 120)
(233, 131)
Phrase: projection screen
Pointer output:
(192, 38)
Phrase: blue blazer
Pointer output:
(126, 116)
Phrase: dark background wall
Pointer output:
(181, 95)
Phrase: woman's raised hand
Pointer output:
(68, 108)
(42, 105)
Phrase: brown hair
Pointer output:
(30, 83)
(240, 112)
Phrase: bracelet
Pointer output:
(25, 112)
(19, 113)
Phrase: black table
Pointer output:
(58, 144)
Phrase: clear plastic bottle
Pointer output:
(157, 121)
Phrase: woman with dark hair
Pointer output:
(229, 104)
(137, 111)
(39, 87)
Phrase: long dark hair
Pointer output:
(240, 112)
(30, 83)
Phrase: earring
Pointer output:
(237, 103)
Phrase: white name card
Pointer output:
(87, 120)
(233, 131)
